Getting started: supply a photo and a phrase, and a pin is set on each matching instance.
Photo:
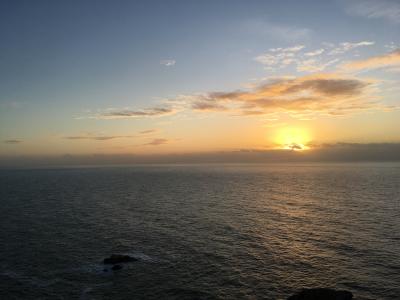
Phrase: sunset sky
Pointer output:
(162, 77)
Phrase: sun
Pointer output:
(293, 139)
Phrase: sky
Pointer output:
(118, 78)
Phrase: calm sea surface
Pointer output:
(200, 232)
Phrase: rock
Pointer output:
(118, 258)
(116, 267)
(321, 294)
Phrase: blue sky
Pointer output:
(63, 63)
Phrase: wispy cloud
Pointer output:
(97, 137)
(279, 57)
(168, 62)
(126, 113)
(296, 48)
(375, 9)
(148, 131)
(315, 52)
(380, 61)
(157, 142)
(313, 65)
(312, 61)
(347, 46)
(392, 46)
(102, 137)
(12, 142)
(202, 104)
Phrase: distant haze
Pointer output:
(325, 153)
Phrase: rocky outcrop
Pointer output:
(321, 294)
(118, 258)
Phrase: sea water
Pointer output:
(200, 231)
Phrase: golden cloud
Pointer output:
(322, 93)
(386, 60)
(302, 97)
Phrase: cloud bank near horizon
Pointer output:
(339, 152)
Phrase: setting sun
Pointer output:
(293, 139)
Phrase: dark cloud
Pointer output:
(208, 106)
(357, 152)
(295, 146)
(226, 95)
(329, 87)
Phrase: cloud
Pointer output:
(302, 97)
(375, 9)
(392, 46)
(96, 137)
(251, 113)
(148, 131)
(315, 52)
(127, 114)
(205, 104)
(317, 94)
(380, 61)
(347, 46)
(356, 152)
(11, 142)
(328, 86)
(295, 146)
(279, 57)
(296, 48)
(313, 65)
(157, 142)
(312, 61)
(339, 152)
(168, 62)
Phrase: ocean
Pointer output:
(228, 231)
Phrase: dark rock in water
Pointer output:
(118, 258)
(116, 267)
(321, 294)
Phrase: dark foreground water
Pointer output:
(200, 232)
